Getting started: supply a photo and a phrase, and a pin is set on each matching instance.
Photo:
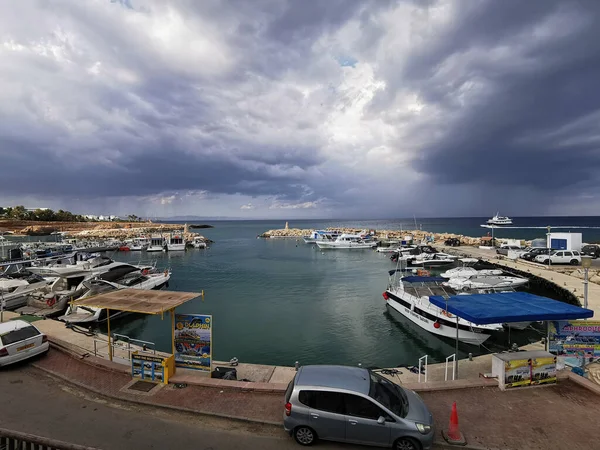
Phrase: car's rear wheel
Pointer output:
(305, 436)
(406, 443)
(574, 262)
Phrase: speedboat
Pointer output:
(96, 286)
(499, 220)
(409, 296)
(430, 260)
(347, 241)
(466, 272)
(486, 282)
(15, 289)
(199, 242)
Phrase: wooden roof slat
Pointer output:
(138, 300)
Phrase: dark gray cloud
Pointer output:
(254, 103)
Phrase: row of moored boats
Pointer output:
(47, 290)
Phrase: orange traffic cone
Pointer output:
(453, 435)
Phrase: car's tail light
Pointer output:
(44, 338)
(3, 352)
(288, 409)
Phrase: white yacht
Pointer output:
(157, 244)
(409, 296)
(499, 220)
(175, 243)
(14, 290)
(347, 241)
(134, 280)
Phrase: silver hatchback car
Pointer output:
(355, 405)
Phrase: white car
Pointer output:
(20, 340)
(560, 257)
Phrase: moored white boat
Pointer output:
(409, 296)
(347, 241)
(486, 282)
(14, 291)
(157, 244)
(137, 280)
(466, 272)
(199, 242)
(175, 243)
(321, 235)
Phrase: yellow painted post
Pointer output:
(173, 340)
(110, 355)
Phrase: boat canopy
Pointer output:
(508, 307)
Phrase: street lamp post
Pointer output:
(548, 243)
(586, 262)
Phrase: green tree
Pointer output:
(19, 213)
(46, 215)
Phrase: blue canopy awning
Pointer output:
(509, 307)
(418, 279)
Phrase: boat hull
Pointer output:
(447, 327)
(176, 247)
(349, 246)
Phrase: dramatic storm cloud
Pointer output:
(273, 108)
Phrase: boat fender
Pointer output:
(166, 272)
(436, 324)
(145, 272)
(385, 296)
(51, 301)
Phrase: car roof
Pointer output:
(12, 325)
(339, 377)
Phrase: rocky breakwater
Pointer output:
(132, 230)
(418, 235)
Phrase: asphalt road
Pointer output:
(32, 402)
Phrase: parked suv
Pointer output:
(532, 253)
(452, 242)
(560, 257)
(503, 250)
(592, 250)
(355, 405)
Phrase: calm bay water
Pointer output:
(277, 301)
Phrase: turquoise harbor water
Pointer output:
(277, 301)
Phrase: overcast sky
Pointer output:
(301, 108)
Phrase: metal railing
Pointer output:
(15, 440)
(117, 341)
(453, 357)
(421, 359)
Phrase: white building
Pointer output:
(564, 241)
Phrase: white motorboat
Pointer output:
(321, 235)
(14, 290)
(133, 280)
(466, 272)
(347, 241)
(199, 242)
(139, 244)
(429, 260)
(53, 299)
(499, 220)
(486, 282)
(409, 296)
(175, 243)
(157, 244)
(94, 266)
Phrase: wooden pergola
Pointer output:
(139, 301)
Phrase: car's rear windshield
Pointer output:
(388, 394)
(288, 392)
(18, 335)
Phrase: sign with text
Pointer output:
(572, 338)
(193, 341)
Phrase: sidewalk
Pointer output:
(238, 404)
(550, 417)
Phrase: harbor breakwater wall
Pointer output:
(418, 235)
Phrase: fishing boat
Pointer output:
(409, 296)
(175, 243)
(347, 241)
(157, 244)
(139, 244)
